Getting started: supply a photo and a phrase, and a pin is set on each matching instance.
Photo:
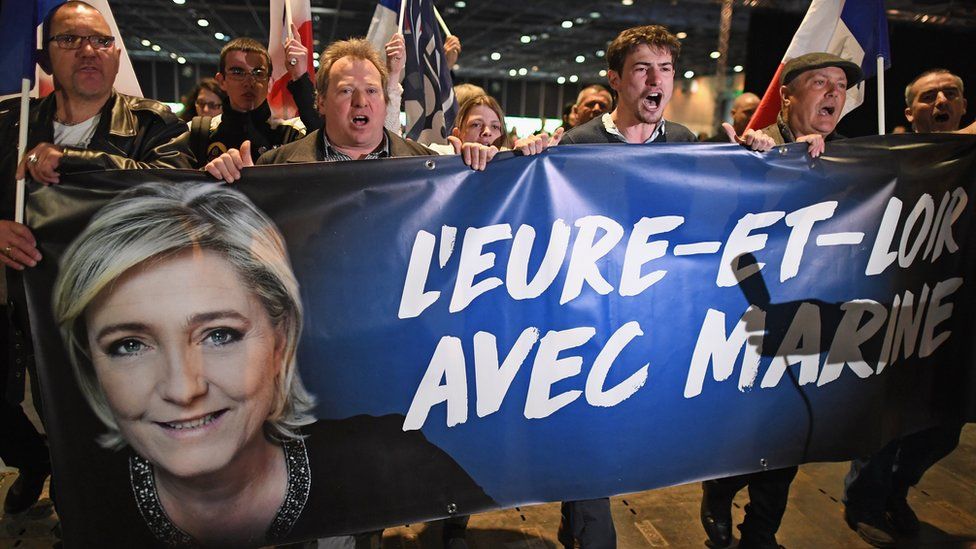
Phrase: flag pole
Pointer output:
(440, 20)
(288, 19)
(25, 86)
(403, 9)
(881, 96)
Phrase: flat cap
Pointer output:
(819, 60)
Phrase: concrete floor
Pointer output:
(945, 501)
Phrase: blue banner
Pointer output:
(598, 320)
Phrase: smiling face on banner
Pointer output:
(188, 359)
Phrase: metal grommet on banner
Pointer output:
(451, 508)
(293, 61)
(430, 164)
(763, 463)
(782, 150)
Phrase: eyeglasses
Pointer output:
(202, 104)
(73, 41)
(239, 74)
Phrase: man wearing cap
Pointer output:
(813, 92)
(876, 488)
(814, 89)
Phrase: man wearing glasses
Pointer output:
(244, 71)
(84, 125)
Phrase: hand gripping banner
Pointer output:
(591, 321)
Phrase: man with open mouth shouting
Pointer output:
(814, 89)
(352, 98)
(876, 488)
(641, 71)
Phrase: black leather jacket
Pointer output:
(132, 133)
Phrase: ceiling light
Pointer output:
(689, 74)
(737, 68)
(495, 56)
(627, 2)
(567, 24)
(594, 15)
(219, 35)
(460, 4)
(203, 22)
(535, 68)
(512, 72)
(603, 72)
(573, 78)
(315, 55)
(523, 71)
(715, 55)
(316, 63)
(561, 80)
(681, 35)
(525, 39)
(155, 47)
(544, 35)
(181, 60)
(580, 20)
(600, 53)
(172, 56)
(580, 59)
(146, 43)
(179, 2)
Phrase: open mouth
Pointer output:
(360, 120)
(654, 99)
(941, 117)
(191, 424)
(827, 111)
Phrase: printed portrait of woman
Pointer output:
(181, 316)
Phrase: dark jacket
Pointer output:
(781, 133)
(232, 128)
(594, 132)
(311, 148)
(133, 133)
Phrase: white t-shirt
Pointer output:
(76, 135)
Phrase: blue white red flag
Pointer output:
(384, 24)
(19, 22)
(18, 26)
(856, 30)
(428, 92)
(299, 13)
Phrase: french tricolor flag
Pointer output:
(853, 29)
(384, 25)
(20, 22)
(283, 14)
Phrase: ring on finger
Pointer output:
(7, 250)
(32, 158)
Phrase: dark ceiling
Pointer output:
(494, 26)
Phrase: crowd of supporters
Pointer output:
(351, 111)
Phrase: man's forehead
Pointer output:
(246, 59)
(348, 67)
(939, 81)
(649, 53)
(589, 95)
(79, 16)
